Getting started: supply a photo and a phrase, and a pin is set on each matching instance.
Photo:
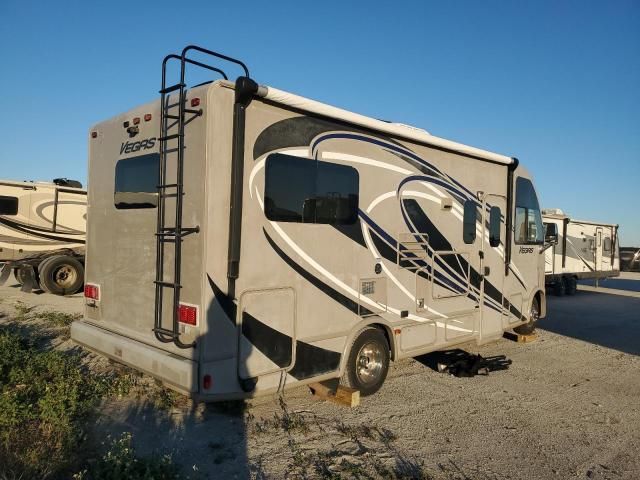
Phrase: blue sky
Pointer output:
(555, 83)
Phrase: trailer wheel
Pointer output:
(534, 314)
(61, 275)
(559, 288)
(368, 362)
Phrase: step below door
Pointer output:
(267, 332)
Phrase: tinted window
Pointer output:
(469, 222)
(8, 205)
(136, 182)
(607, 244)
(494, 226)
(308, 191)
(528, 224)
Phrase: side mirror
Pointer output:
(551, 233)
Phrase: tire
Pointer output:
(572, 286)
(559, 288)
(61, 275)
(19, 276)
(368, 362)
(41, 267)
(534, 314)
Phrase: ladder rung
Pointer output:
(194, 112)
(169, 137)
(167, 284)
(165, 331)
(168, 185)
(172, 88)
(172, 117)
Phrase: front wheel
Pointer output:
(368, 362)
(61, 275)
(534, 314)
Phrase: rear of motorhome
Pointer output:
(585, 250)
(42, 234)
(242, 240)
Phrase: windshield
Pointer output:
(528, 225)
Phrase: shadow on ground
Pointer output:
(632, 285)
(611, 321)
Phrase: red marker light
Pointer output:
(206, 382)
(195, 102)
(147, 117)
(92, 291)
(188, 314)
(136, 120)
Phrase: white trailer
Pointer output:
(585, 250)
(42, 234)
(242, 240)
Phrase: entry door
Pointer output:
(492, 266)
(598, 250)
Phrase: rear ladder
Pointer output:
(172, 129)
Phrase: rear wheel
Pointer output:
(61, 275)
(534, 314)
(21, 276)
(368, 362)
(571, 286)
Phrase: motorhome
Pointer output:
(42, 234)
(243, 239)
(585, 250)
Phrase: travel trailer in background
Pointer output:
(585, 250)
(42, 234)
(242, 240)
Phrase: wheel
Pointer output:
(61, 275)
(19, 274)
(572, 286)
(534, 314)
(368, 362)
(559, 288)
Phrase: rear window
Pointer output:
(136, 183)
(8, 205)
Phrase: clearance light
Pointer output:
(147, 117)
(92, 291)
(188, 314)
(136, 120)
(206, 382)
(94, 134)
(195, 102)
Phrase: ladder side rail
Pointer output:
(216, 54)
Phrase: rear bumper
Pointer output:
(179, 373)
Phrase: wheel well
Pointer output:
(542, 302)
(388, 335)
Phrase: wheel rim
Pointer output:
(65, 276)
(369, 363)
(534, 314)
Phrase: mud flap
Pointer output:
(29, 275)
(4, 273)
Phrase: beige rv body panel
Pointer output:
(304, 290)
(585, 249)
(48, 218)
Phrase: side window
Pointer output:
(469, 222)
(599, 238)
(494, 226)
(528, 221)
(306, 191)
(136, 183)
(8, 205)
(607, 244)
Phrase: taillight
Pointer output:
(206, 382)
(92, 291)
(188, 314)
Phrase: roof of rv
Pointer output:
(549, 214)
(397, 129)
(33, 184)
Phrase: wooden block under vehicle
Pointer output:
(342, 395)
(516, 337)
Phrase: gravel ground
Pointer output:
(567, 407)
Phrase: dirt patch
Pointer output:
(568, 406)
